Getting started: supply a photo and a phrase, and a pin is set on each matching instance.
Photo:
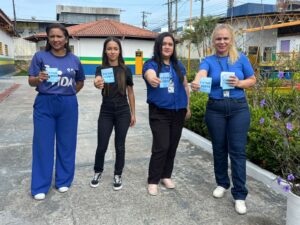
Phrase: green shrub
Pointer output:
(197, 105)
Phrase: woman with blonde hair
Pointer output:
(227, 113)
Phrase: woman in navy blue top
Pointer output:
(57, 75)
(227, 113)
(168, 99)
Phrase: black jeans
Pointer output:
(117, 115)
(166, 126)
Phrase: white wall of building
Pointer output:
(23, 49)
(130, 46)
(294, 43)
(6, 40)
(92, 47)
(266, 38)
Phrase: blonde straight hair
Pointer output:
(233, 52)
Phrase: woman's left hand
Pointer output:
(132, 120)
(188, 114)
(233, 81)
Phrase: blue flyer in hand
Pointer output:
(108, 75)
(52, 74)
(223, 81)
(164, 80)
(205, 84)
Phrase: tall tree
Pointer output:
(200, 33)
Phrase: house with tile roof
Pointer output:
(7, 32)
(87, 42)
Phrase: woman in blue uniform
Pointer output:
(168, 99)
(227, 113)
(57, 75)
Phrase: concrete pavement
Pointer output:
(191, 203)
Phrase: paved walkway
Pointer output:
(190, 203)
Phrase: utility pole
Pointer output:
(144, 23)
(170, 19)
(230, 5)
(189, 50)
(170, 23)
(202, 8)
(176, 16)
(15, 18)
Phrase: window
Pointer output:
(1, 51)
(6, 50)
(285, 46)
(267, 54)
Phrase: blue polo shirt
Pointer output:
(69, 70)
(214, 65)
(160, 96)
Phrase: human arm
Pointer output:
(99, 82)
(79, 85)
(248, 74)
(151, 77)
(187, 90)
(131, 99)
(195, 83)
(34, 81)
(235, 82)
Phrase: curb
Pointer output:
(254, 171)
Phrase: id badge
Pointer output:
(226, 94)
(171, 86)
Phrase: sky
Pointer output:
(131, 9)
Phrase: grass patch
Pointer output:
(22, 73)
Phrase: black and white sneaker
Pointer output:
(117, 182)
(96, 179)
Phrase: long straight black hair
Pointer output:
(121, 73)
(157, 54)
(64, 30)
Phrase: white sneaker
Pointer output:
(240, 206)
(40, 196)
(219, 192)
(63, 189)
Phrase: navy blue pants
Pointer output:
(166, 126)
(228, 122)
(55, 120)
(117, 115)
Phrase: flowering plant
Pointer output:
(280, 114)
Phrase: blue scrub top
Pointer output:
(161, 96)
(214, 65)
(69, 68)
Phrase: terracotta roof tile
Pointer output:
(104, 28)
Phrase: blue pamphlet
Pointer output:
(223, 80)
(164, 80)
(52, 74)
(205, 84)
(108, 75)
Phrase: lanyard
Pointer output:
(220, 64)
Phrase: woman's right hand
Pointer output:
(99, 82)
(151, 78)
(154, 81)
(195, 85)
(43, 75)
